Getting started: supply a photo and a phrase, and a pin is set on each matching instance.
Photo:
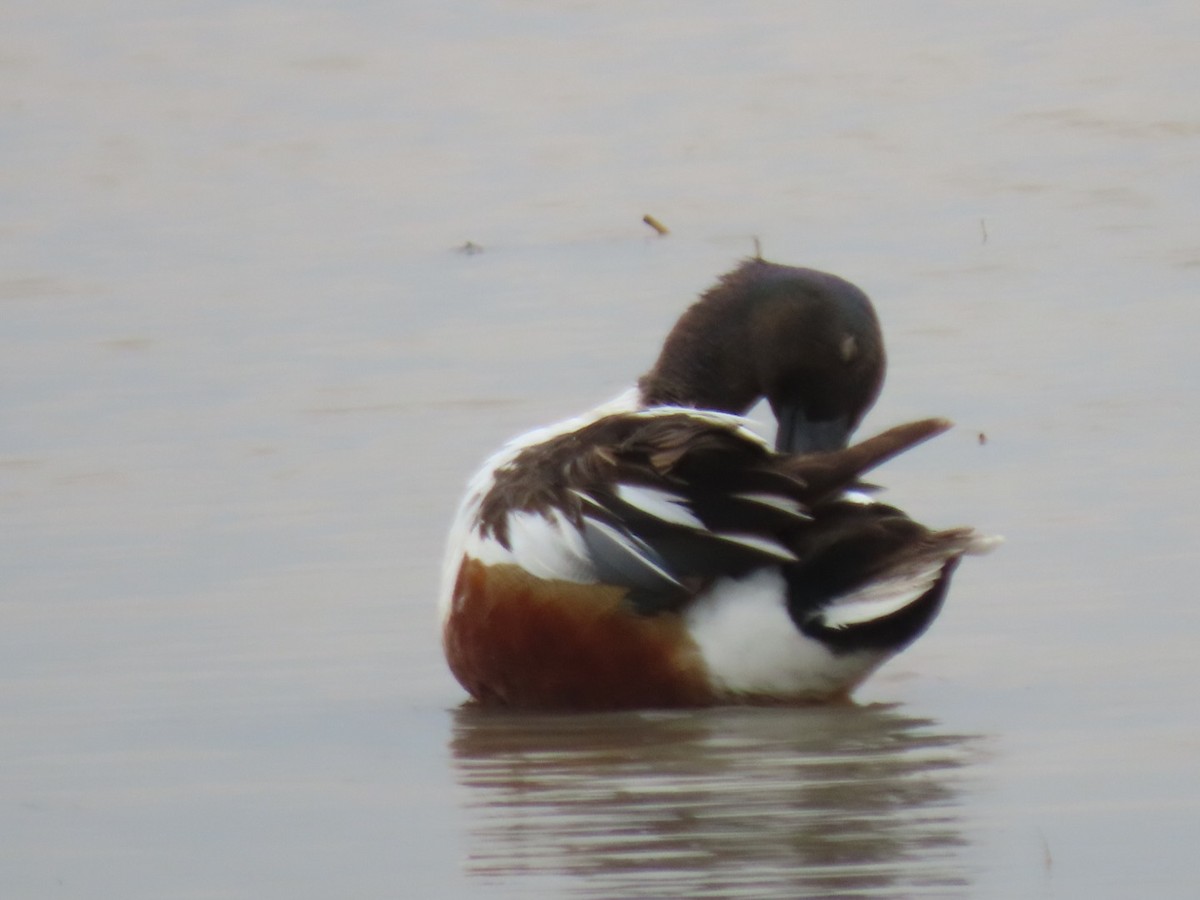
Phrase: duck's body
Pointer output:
(651, 555)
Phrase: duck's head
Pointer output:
(807, 341)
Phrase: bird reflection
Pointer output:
(830, 801)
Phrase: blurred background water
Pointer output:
(246, 368)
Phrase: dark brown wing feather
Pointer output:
(711, 469)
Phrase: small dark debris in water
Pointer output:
(982, 439)
(983, 229)
(655, 224)
(470, 248)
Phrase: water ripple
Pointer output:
(846, 801)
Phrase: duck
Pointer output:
(657, 552)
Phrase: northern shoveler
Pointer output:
(656, 552)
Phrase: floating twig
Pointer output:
(655, 224)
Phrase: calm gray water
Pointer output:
(244, 375)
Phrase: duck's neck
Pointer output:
(705, 360)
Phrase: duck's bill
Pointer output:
(799, 434)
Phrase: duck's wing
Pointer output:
(664, 503)
(825, 474)
(656, 501)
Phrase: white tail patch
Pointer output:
(983, 543)
(880, 599)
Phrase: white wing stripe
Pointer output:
(664, 505)
(762, 545)
(775, 501)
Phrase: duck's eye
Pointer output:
(849, 348)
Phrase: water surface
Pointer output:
(244, 375)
